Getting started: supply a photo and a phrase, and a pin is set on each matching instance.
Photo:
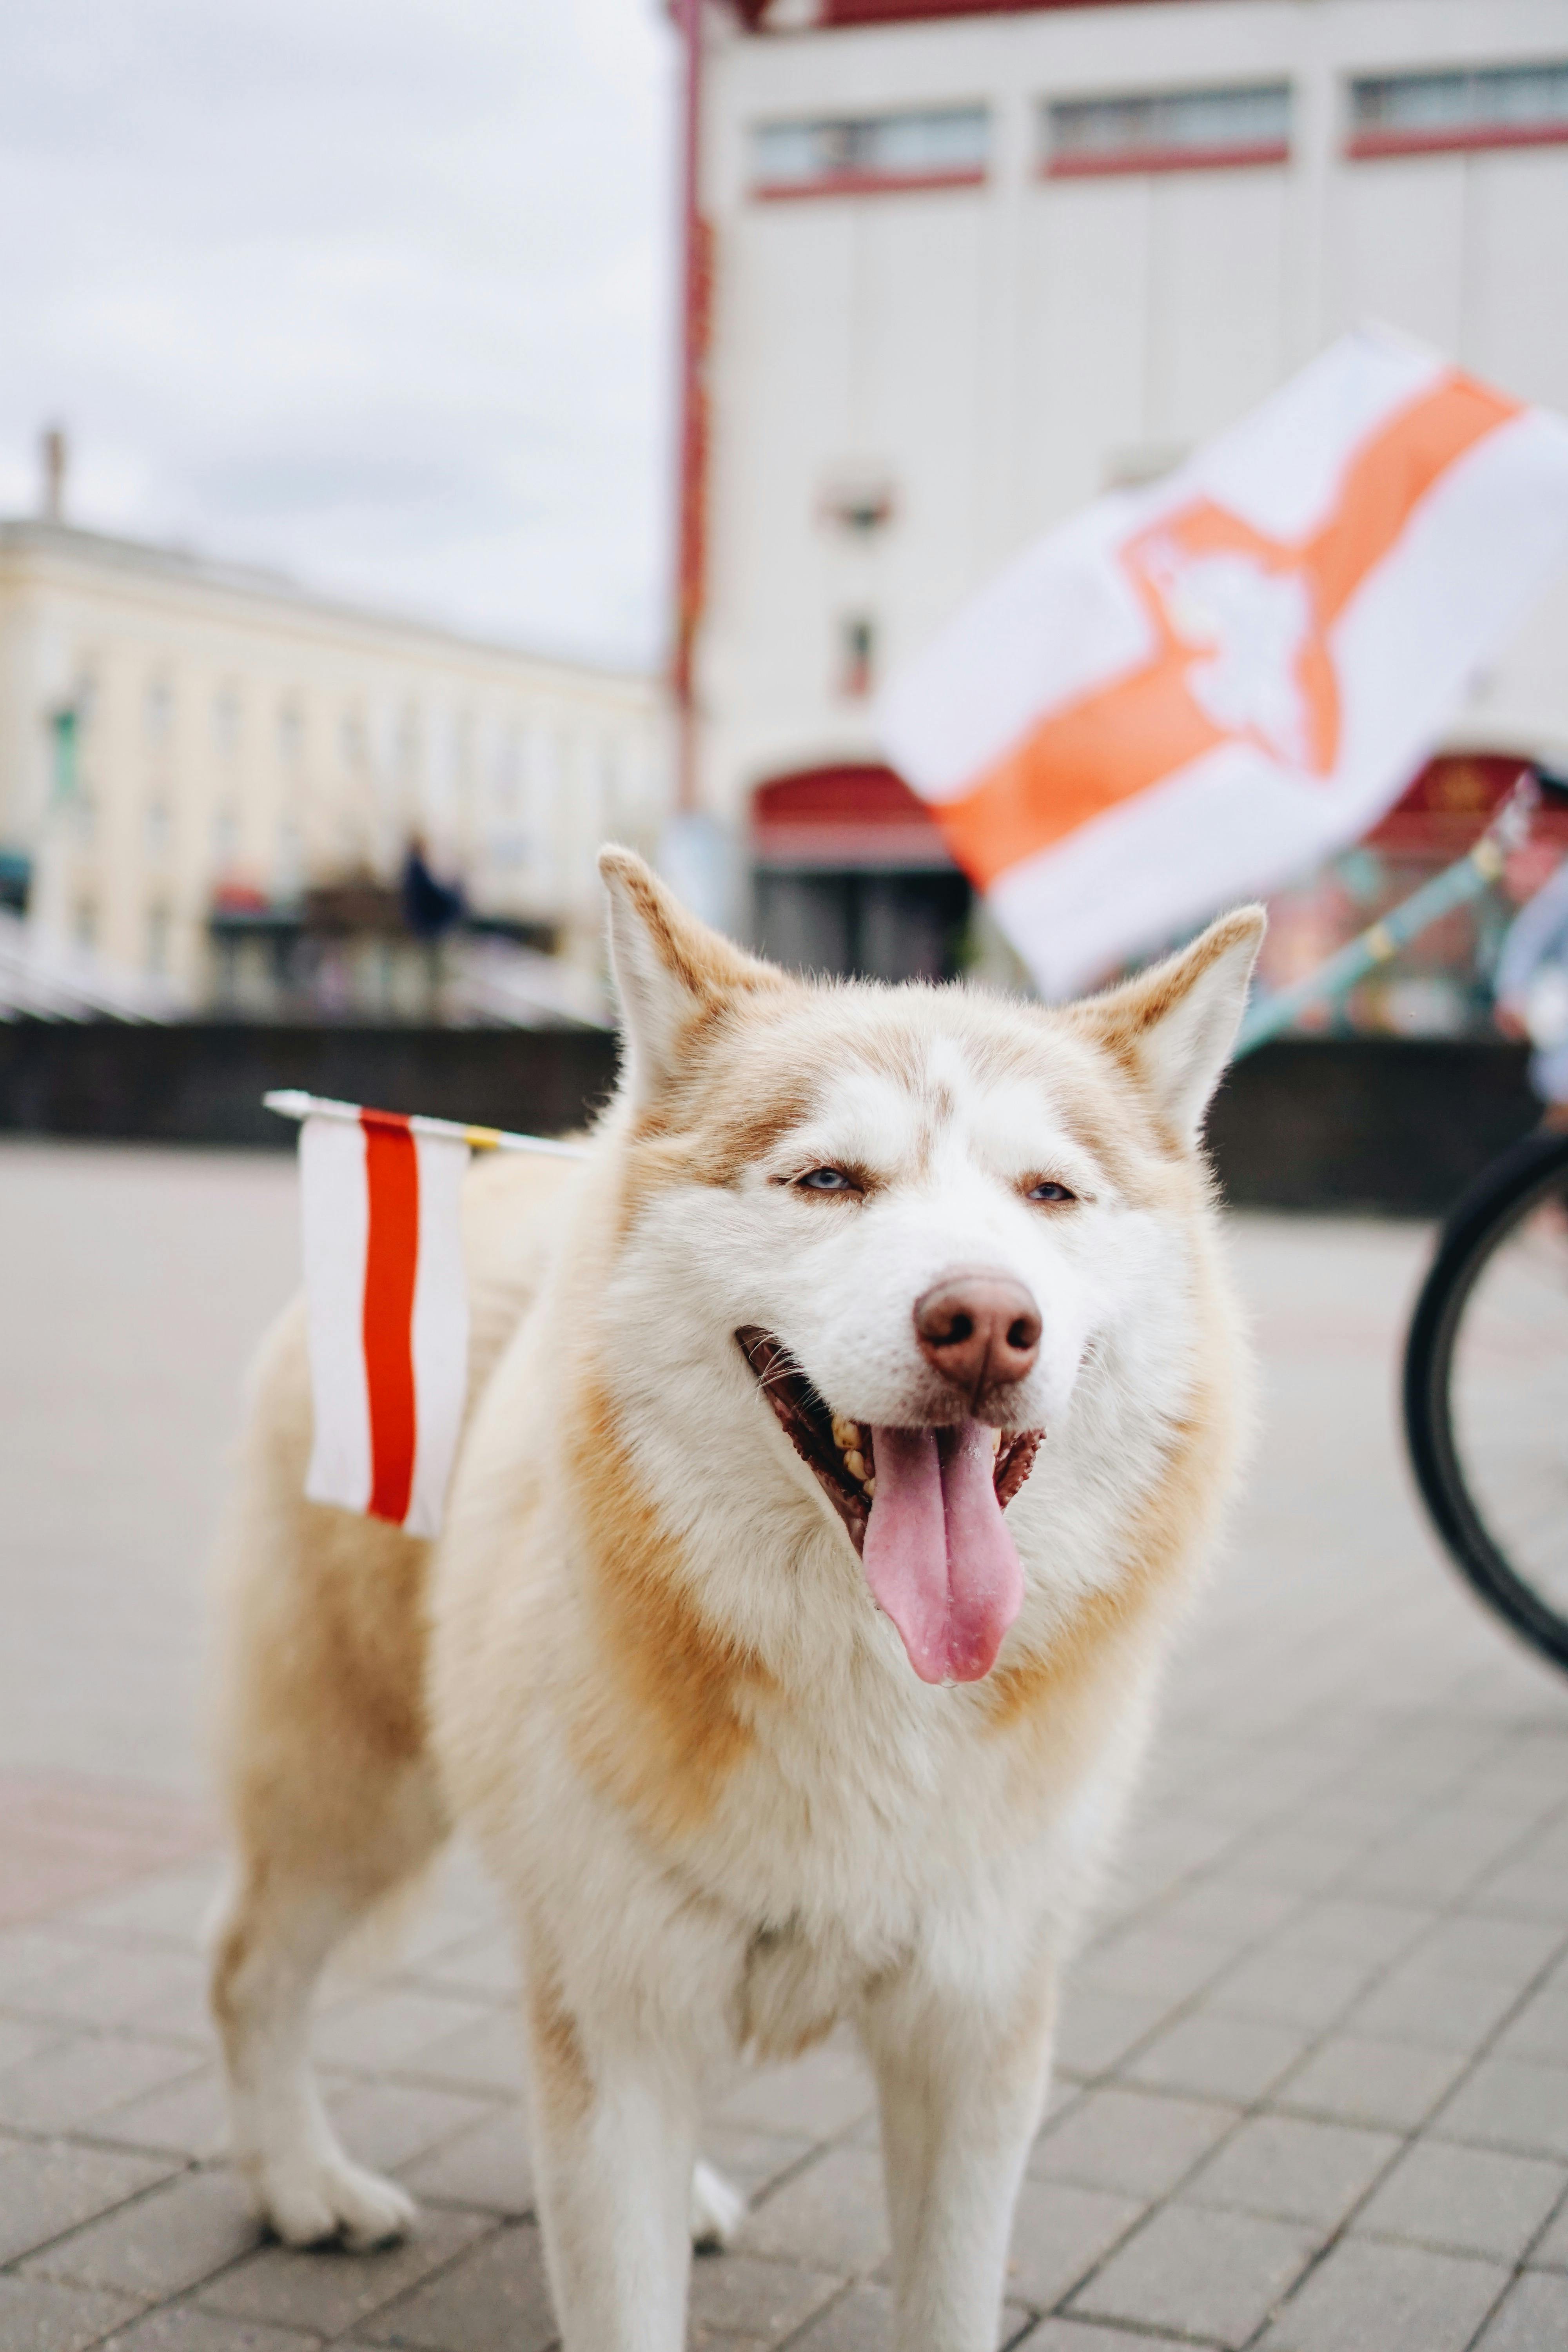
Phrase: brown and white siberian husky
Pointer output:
(847, 1430)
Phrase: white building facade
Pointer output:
(179, 738)
(975, 264)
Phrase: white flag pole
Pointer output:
(292, 1102)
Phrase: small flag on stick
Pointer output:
(387, 1299)
(387, 1305)
(1190, 693)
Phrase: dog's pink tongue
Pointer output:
(938, 1554)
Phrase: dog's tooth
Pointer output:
(871, 1486)
(845, 1433)
(995, 1441)
(854, 1462)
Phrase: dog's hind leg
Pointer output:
(319, 1721)
(278, 1922)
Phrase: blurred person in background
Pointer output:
(1530, 984)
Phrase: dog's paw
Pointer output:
(717, 2209)
(327, 2200)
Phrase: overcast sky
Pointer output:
(378, 291)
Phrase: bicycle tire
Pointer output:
(1495, 1205)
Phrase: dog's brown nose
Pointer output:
(980, 1327)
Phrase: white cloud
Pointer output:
(379, 291)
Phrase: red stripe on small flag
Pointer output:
(391, 1263)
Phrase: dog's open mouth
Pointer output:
(923, 1508)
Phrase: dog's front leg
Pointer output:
(615, 2139)
(962, 2086)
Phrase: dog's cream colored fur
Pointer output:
(644, 1666)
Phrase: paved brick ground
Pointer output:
(1314, 2090)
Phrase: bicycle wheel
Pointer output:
(1486, 1390)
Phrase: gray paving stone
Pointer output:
(389, 2125)
(860, 2321)
(1135, 2142)
(179, 2327)
(1531, 2317)
(1510, 2103)
(485, 1966)
(1098, 2029)
(1415, 2003)
(1218, 1910)
(753, 2160)
(187, 2118)
(485, 2165)
(329, 2290)
(171, 1907)
(1506, 1951)
(1438, 1859)
(1354, 1928)
(1087, 2335)
(1197, 2271)
(1289, 2169)
(1224, 2058)
(1148, 1961)
(493, 2295)
(1060, 2232)
(1468, 2200)
(738, 2295)
(164, 2243)
(23, 2037)
(1540, 2030)
(32, 1955)
(1355, 2079)
(822, 2094)
(35, 2315)
(393, 2029)
(1280, 1986)
(1396, 2299)
(1551, 2248)
(831, 2215)
(105, 1986)
(70, 2083)
(47, 2189)
(485, 2055)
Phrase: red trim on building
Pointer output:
(849, 815)
(897, 12)
(866, 183)
(1371, 146)
(1121, 160)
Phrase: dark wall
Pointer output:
(1380, 1124)
(203, 1083)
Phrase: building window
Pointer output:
(351, 740)
(158, 711)
(857, 655)
(159, 829)
(291, 734)
(226, 721)
(226, 836)
(158, 929)
(1167, 130)
(1428, 113)
(940, 147)
(84, 924)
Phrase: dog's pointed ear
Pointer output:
(670, 970)
(1174, 1025)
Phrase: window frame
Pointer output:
(1373, 146)
(1112, 163)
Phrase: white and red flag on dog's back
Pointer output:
(1188, 694)
(387, 1308)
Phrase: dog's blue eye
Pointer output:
(827, 1180)
(1051, 1193)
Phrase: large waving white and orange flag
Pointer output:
(1188, 694)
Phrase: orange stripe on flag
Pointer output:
(1086, 756)
(391, 1264)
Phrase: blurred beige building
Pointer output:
(188, 746)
